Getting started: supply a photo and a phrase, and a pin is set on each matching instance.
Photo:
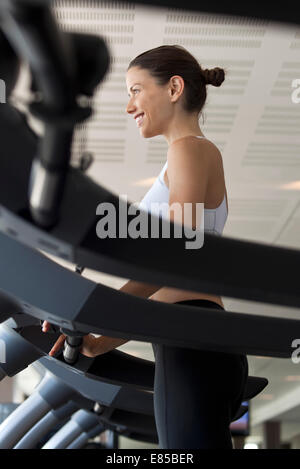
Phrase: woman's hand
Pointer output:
(46, 326)
(88, 348)
(91, 346)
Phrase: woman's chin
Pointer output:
(147, 133)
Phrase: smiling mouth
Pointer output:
(139, 120)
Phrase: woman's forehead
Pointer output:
(136, 73)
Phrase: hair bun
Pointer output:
(214, 76)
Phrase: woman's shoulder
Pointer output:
(196, 151)
(192, 141)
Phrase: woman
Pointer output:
(196, 393)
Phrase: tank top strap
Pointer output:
(162, 172)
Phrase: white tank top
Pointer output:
(214, 219)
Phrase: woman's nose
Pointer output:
(130, 107)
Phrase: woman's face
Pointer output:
(152, 101)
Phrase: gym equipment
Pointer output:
(73, 236)
(10, 65)
(64, 298)
(61, 220)
(115, 380)
(289, 14)
(62, 383)
(63, 69)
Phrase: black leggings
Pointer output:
(196, 393)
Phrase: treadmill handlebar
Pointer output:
(73, 340)
(72, 348)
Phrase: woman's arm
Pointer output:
(188, 174)
(105, 344)
(144, 290)
(93, 346)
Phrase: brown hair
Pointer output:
(165, 61)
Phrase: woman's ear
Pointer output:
(176, 87)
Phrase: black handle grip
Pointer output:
(71, 349)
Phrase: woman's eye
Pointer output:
(133, 91)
